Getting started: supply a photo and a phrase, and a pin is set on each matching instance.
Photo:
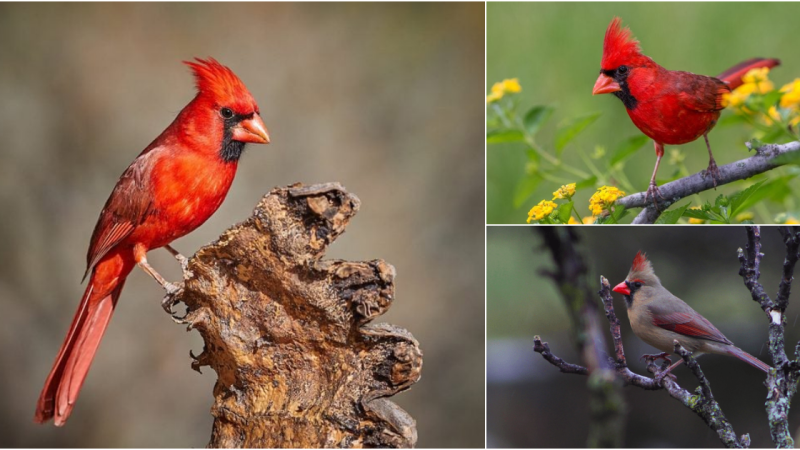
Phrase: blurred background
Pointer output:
(555, 50)
(379, 97)
(531, 404)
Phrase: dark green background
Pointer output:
(555, 49)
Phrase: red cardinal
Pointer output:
(658, 317)
(671, 107)
(170, 189)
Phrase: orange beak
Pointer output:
(622, 288)
(605, 85)
(251, 130)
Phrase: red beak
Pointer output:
(251, 130)
(622, 288)
(605, 85)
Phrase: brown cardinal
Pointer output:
(658, 318)
(670, 107)
(170, 189)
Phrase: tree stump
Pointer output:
(288, 333)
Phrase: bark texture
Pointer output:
(289, 334)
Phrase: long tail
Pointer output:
(77, 352)
(733, 76)
(748, 358)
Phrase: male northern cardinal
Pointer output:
(671, 107)
(658, 317)
(170, 189)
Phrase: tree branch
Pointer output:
(763, 161)
(782, 380)
(288, 333)
(702, 402)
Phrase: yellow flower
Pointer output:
(791, 221)
(542, 210)
(791, 94)
(501, 88)
(573, 221)
(565, 192)
(695, 221)
(588, 220)
(603, 199)
(774, 116)
(754, 81)
(747, 215)
(511, 85)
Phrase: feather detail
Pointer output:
(620, 47)
(640, 262)
(220, 84)
(690, 325)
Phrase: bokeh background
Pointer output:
(555, 49)
(531, 404)
(380, 97)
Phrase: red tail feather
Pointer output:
(77, 352)
(733, 76)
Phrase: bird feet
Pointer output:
(661, 375)
(664, 356)
(713, 171)
(171, 298)
(653, 191)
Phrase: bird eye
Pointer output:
(637, 284)
(226, 113)
(622, 69)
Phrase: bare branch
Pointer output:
(763, 161)
(563, 366)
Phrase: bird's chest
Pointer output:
(665, 121)
(188, 191)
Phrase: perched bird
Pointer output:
(670, 107)
(658, 318)
(170, 189)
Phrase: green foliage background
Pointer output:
(555, 49)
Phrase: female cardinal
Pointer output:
(658, 317)
(668, 106)
(170, 189)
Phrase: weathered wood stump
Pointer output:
(288, 333)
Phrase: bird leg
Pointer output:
(664, 356)
(181, 259)
(172, 289)
(660, 377)
(712, 169)
(653, 189)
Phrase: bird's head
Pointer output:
(641, 279)
(621, 57)
(224, 104)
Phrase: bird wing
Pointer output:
(688, 324)
(701, 93)
(128, 206)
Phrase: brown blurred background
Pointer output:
(531, 404)
(380, 97)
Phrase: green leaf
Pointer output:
(742, 200)
(537, 116)
(772, 98)
(567, 131)
(731, 119)
(563, 212)
(671, 217)
(627, 148)
(500, 136)
(583, 184)
(524, 190)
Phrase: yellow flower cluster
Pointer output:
(565, 192)
(603, 199)
(756, 81)
(542, 210)
(501, 88)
